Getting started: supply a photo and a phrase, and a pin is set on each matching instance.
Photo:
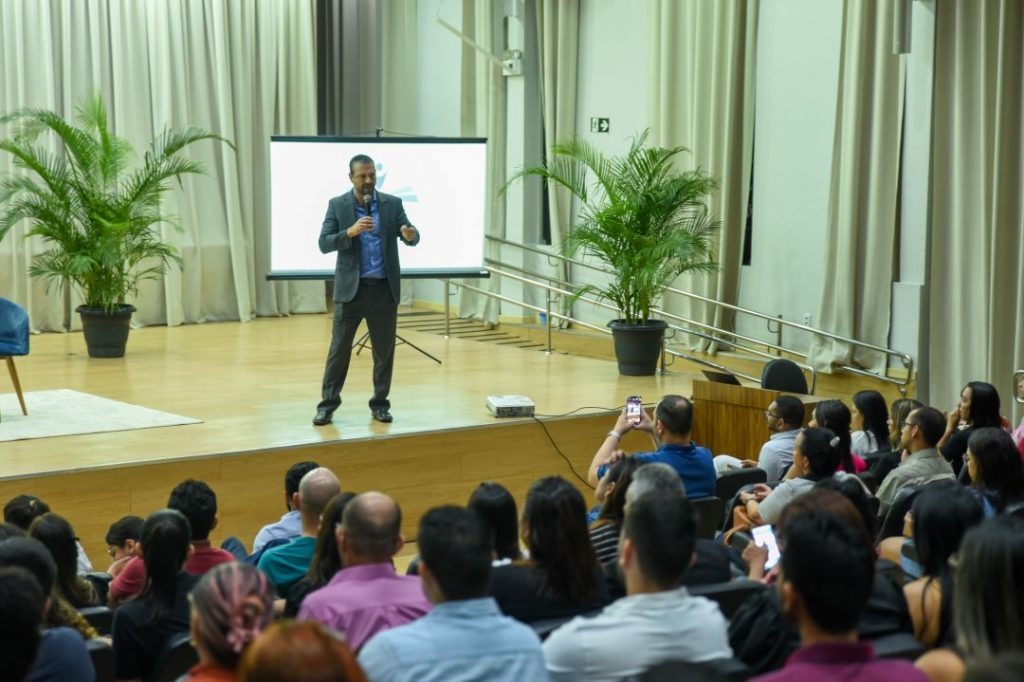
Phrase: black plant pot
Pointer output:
(106, 334)
(638, 346)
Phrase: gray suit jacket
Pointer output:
(341, 213)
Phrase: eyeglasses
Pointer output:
(112, 551)
(906, 423)
(770, 414)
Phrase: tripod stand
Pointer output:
(364, 341)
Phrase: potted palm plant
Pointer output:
(645, 219)
(97, 213)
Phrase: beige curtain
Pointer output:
(977, 243)
(244, 70)
(484, 114)
(861, 229)
(704, 100)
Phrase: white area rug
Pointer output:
(67, 413)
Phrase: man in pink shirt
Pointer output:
(197, 501)
(367, 596)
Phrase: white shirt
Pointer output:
(863, 442)
(636, 633)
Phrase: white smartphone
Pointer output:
(764, 537)
(634, 408)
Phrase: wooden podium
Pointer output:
(730, 420)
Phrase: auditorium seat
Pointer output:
(102, 656)
(177, 656)
(729, 596)
(709, 516)
(727, 669)
(100, 617)
(730, 482)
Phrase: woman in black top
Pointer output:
(143, 625)
(562, 577)
(326, 558)
(978, 408)
(58, 536)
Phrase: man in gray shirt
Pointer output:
(657, 621)
(784, 417)
(921, 464)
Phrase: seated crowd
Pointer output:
(883, 533)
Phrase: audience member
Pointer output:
(882, 463)
(561, 577)
(496, 506)
(231, 606)
(326, 559)
(289, 526)
(941, 514)
(366, 596)
(604, 531)
(869, 418)
(827, 571)
(816, 454)
(670, 433)
(920, 431)
(57, 535)
(784, 417)
(759, 633)
(9, 530)
(978, 408)
(658, 620)
(900, 410)
(835, 416)
(286, 564)
(24, 603)
(289, 651)
(61, 655)
(712, 562)
(122, 542)
(464, 637)
(143, 625)
(198, 503)
(988, 601)
(994, 468)
(21, 510)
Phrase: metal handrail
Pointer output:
(905, 358)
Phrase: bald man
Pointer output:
(367, 596)
(286, 564)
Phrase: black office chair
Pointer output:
(100, 617)
(782, 374)
(730, 482)
(709, 516)
(102, 656)
(729, 596)
(175, 659)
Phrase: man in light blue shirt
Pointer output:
(290, 525)
(784, 419)
(464, 637)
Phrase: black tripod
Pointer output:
(364, 341)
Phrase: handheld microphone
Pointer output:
(367, 198)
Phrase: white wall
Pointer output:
(438, 69)
(795, 104)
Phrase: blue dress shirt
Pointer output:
(457, 641)
(371, 249)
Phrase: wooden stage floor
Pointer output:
(255, 385)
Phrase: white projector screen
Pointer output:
(440, 182)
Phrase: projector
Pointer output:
(510, 406)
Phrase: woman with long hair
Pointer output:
(978, 407)
(58, 537)
(835, 416)
(988, 599)
(604, 532)
(868, 423)
(326, 558)
(231, 606)
(941, 514)
(496, 506)
(143, 625)
(994, 468)
(816, 454)
(561, 577)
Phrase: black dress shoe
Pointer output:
(323, 417)
(381, 414)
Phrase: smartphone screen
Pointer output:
(764, 537)
(634, 406)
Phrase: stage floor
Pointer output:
(255, 385)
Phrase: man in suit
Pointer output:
(363, 226)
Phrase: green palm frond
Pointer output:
(640, 215)
(97, 210)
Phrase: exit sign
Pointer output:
(599, 125)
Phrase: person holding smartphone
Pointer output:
(669, 431)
